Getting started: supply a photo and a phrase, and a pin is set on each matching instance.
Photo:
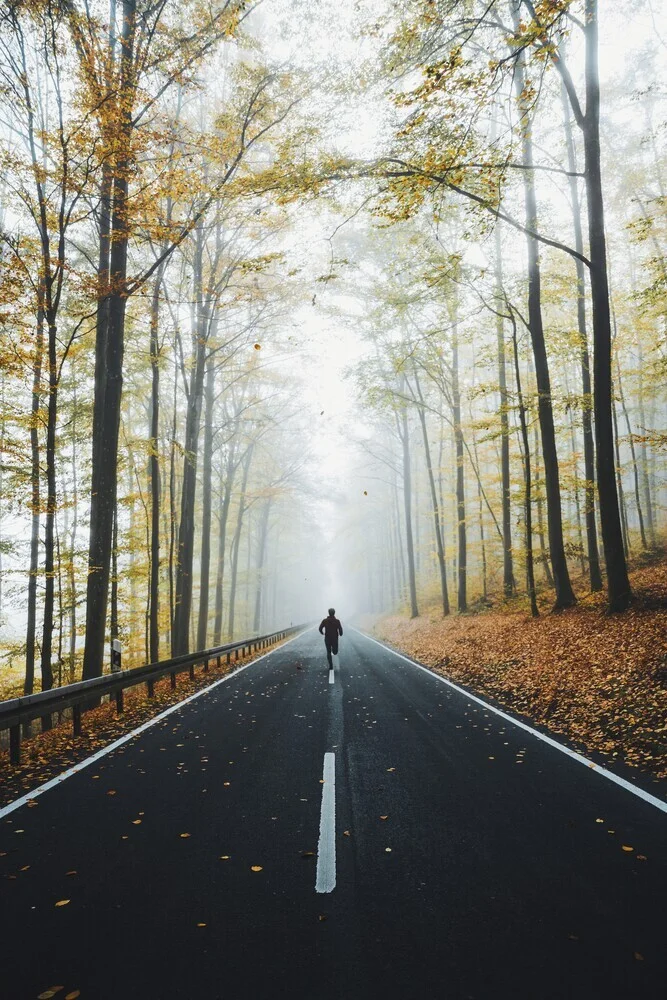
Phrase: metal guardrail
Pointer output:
(17, 711)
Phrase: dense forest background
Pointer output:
(304, 304)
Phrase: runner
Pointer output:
(331, 628)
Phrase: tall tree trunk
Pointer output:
(462, 530)
(223, 517)
(403, 431)
(106, 406)
(49, 526)
(396, 523)
(35, 502)
(646, 485)
(528, 513)
(261, 558)
(154, 478)
(618, 584)
(633, 456)
(180, 638)
(236, 541)
(72, 596)
(595, 575)
(577, 504)
(172, 504)
(440, 546)
(508, 568)
(563, 587)
(619, 485)
(202, 624)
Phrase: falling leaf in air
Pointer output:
(626, 848)
(255, 868)
(62, 902)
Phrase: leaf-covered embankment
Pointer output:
(599, 680)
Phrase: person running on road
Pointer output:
(331, 628)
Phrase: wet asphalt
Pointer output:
(471, 859)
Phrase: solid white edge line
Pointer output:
(639, 792)
(29, 796)
(326, 846)
(331, 676)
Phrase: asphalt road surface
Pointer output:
(379, 836)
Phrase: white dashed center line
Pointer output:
(326, 847)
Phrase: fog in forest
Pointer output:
(312, 304)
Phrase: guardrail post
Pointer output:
(150, 688)
(15, 744)
(206, 665)
(229, 656)
(119, 701)
(236, 653)
(219, 662)
(192, 671)
(76, 719)
(172, 680)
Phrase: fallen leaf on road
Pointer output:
(388, 850)
(112, 791)
(308, 854)
(626, 848)
(322, 917)
(384, 817)
(184, 835)
(73, 995)
(25, 868)
(641, 857)
(256, 868)
(201, 925)
(62, 902)
(72, 872)
(31, 804)
(224, 857)
(346, 833)
(639, 956)
(136, 822)
(391, 768)
(599, 821)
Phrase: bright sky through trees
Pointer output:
(291, 315)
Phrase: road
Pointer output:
(448, 853)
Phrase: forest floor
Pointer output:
(599, 680)
(46, 754)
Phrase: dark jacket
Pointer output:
(330, 626)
